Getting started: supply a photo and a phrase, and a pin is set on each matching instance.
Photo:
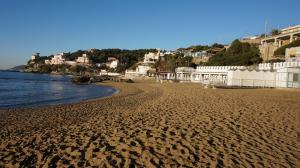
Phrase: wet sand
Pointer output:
(158, 125)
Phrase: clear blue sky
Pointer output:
(53, 26)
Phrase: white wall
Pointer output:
(143, 69)
(251, 78)
(278, 65)
(288, 77)
(113, 64)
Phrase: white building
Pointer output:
(71, 62)
(292, 54)
(146, 66)
(140, 71)
(130, 74)
(169, 53)
(290, 29)
(47, 61)
(83, 60)
(56, 60)
(105, 73)
(112, 62)
(195, 54)
(288, 77)
(151, 58)
(277, 75)
(143, 69)
(33, 57)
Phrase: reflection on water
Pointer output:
(30, 90)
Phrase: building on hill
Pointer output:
(71, 62)
(291, 29)
(92, 50)
(169, 53)
(251, 40)
(83, 60)
(33, 57)
(57, 59)
(292, 54)
(140, 71)
(152, 58)
(112, 62)
(195, 54)
(145, 68)
(201, 56)
(270, 44)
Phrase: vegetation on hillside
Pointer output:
(275, 32)
(280, 52)
(196, 48)
(238, 54)
(127, 58)
(170, 62)
(275, 60)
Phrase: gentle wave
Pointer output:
(31, 79)
(25, 90)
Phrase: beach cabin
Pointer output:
(288, 77)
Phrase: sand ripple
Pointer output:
(153, 125)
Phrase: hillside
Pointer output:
(17, 68)
(127, 58)
(237, 54)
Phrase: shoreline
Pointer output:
(92, 91)
(149, 124)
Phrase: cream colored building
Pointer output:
(56, 60)
(292, 54)
(83, 60)
(33, 57)
(146, 66)
(151, 58)
(113, 63)
(141, 70)
(251, 40)
(291, 29)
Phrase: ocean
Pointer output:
(25, 90)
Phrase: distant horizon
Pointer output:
(56, 26)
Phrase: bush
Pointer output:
(44, 69)
(238, 54)
(275, 60)
(78, 68)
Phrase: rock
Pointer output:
(80, 79)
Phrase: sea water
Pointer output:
(23, 90)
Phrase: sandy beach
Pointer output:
(158, 125)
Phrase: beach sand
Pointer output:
(158, 125)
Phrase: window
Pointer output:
(295, 77)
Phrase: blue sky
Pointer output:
(53, 26)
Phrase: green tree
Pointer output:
(275, 32)
(238, 54)
(78, 68)
(216, 45)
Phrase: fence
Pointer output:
(251, 83)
